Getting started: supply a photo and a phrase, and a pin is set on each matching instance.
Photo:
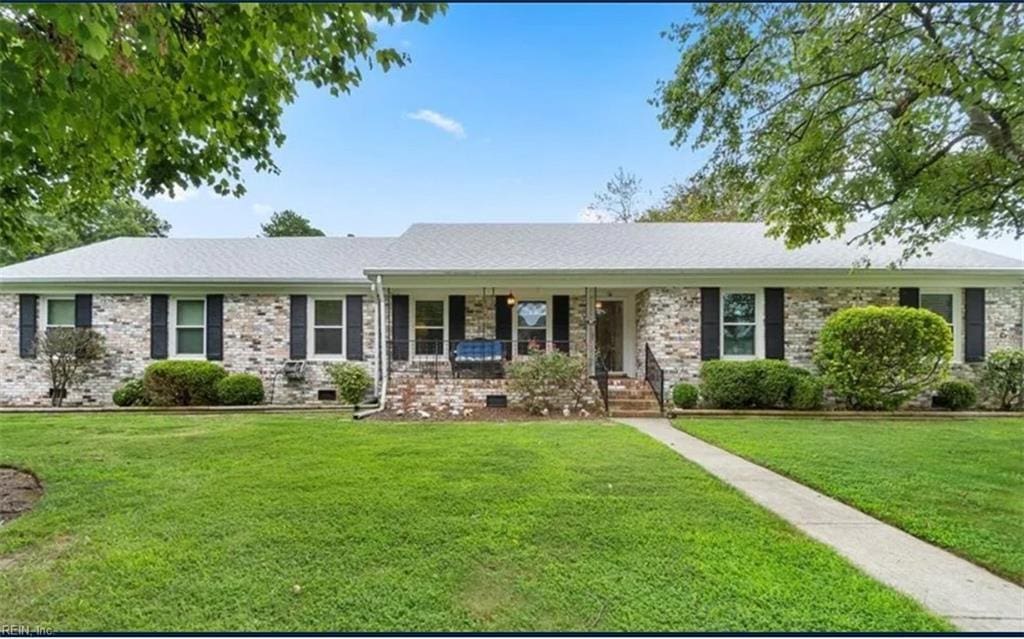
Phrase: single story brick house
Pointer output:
(436, 312)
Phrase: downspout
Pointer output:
(381, 365)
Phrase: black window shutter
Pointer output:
(400, 327)
(354, 327)
(974, 324)
(297, 328)
(456, 318)
(774, 323)
(158, 326)
(910, 297)
(215, 327)
(560, 322)
(83, 311)
(28, 313)
(710, 309)
(503, 323)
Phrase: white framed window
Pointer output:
(428, 326)
(327, 328)
(742, 330)
(531, 324)
(188, 327)
(59, 312)
(946, 303)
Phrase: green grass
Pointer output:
(207, 522)
(958, 484)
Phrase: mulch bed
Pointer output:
(480, 415)
(19, 492)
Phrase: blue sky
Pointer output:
(506, 113)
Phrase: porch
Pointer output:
(451, 351)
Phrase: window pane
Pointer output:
(738, 340)
(327, 341)
(430, 313)
(530, 336)
(939, 303)
(429, 341)
(327, 313)
(190, 341)
(190, 313)
(738, 307)
(533, 314)
(60, 312)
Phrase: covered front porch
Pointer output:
(450, 348)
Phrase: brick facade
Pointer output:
(256, 330)
(669, 320)
(256, 340)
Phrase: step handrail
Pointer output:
(654, 375)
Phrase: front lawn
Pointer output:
(289, 522)
(958, 484)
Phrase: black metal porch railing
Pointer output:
(654, 375)
(479, 358)
(601, 377)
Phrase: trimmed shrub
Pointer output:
(876, 358)
(808, 393)
(131, 393)
(240, 389)
(747, 384)
(182, 382)
(546, 381)
(685, 395)
(774, 383)
(351, 380)
(1003, 378)
(956, 395)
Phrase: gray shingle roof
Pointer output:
(643, 247)
(472, 248)
(285, 259)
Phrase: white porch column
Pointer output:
(591, 298)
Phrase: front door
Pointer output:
(609, 336)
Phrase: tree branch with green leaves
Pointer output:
(907, 116)
(99, 102)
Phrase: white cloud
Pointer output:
(180, 195)
(378, 24)
(262, 209)
(443, 122)
(594, 216)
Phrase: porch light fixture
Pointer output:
(598, 304)
(511, 299)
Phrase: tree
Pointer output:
(67, 229)
(288, 223)
(620, 199)
(69, 353)
(102, 100)
(698, 200)
(909, 116)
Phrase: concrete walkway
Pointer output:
(972, 598)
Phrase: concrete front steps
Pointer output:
(629, 397)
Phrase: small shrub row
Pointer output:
(189, 383)
(759, 384)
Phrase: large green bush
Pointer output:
(685, 395)
(351, 380)
(131, 393)
(1003, 378)
(182, 382)
(762, 383)
(546, 381)
(876, 358)
(240, 389)
(956, 395)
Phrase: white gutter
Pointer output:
(381, 365)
